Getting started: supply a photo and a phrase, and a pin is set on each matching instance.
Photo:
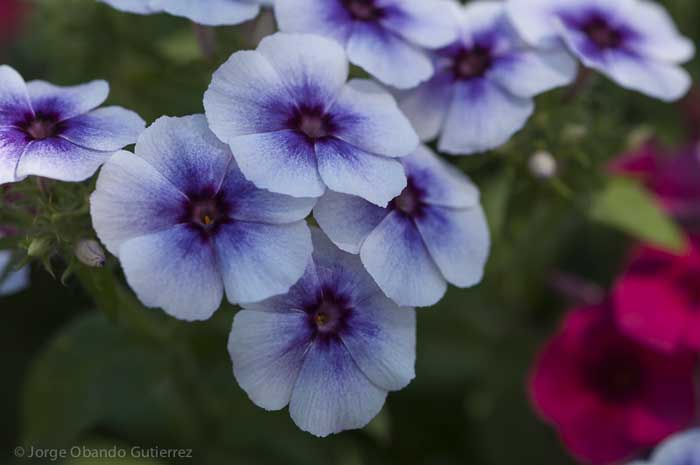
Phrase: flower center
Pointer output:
(41, 128)
(472, 63)
(363, 10)
(312, 122)
(617, 377)
(410, 201)
(329, 314)
(602, 33)
(206, 211)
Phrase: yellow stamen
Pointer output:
(207, 220)
(321, 319)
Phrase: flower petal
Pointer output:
(368, 117)
(313, 68)
(131, 6)
(535, 21)
(14, 281)
(679, 449)
(13, 143)
(382, 341)
(482, 117)
(331, 393)
(259, 260)
(388, 57)
(209, 12)
(247, 96)
(426, 106)
(66, 102)
(428, 24)
(395, 256)
(529, 73)
(347, 220)
(57, 158)
(185, 152)
(107, 129)
(14, 99)
(282, 162)
(442, 184)
(458, 241)
(132, 199)
(350, 170)
(174, 270)
(328, 18)
(267, 350)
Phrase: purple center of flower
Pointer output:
(363, 10)
(600, 32)
(206, 211)
(328, 316)
(313, 122)
(472, 63)
(410, 201)
(617, 376)
(40, 127)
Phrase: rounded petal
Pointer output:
(267, 350)
(14, 99)
(13, 143)
(458, 241)
(209, 12)
(482, 117)
(387, 57)
(174, 270)
(529, 73)
(331, 393)
(185, 152)
(657, 79)
(368, 117)
(313, 68)
(131, 6)
(328, 18)
(442, 184)
(428, 23)
(382, 342)
(282, 162)
(247, 96)
(132, 199)
(11, 282)
(350, 170)
(683, 448)
(535, 21)
(347, 220)
(260, 260)
(106, 129)
(66, 102)
(259, 205)
(396, 257)
(57, 158)
(426, 106)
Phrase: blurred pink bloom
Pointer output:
(608, 396)
(657, 299)
(12, 13)
(673, 175)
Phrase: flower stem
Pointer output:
(206, 38)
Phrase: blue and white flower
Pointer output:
(388, 38)
(208, 12)
(633, 42)
(11, 282)
(484, 84)
(435, 232)
(680, 449)
(296, 127)
(331, 348)
(186, 225)
(55, 132)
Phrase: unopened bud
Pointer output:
(38, 247)
(89, 252)
(542, 165)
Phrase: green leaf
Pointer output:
(626, 205)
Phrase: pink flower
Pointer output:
(657, 299)
(673, 175)
(608, 396)
(12, 13)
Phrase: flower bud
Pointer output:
(89, 252)
(542, 165)
(38, 247)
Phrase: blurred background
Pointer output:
(73, 373)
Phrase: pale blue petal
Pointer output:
(426, 106)
(104, 129)
(66, 102)
(325, 17)
(14, 99)
(680, 449)
(529, 73)
(428, 23)
(175, 270)
(13, 142)
(14, 281)
(131, 6)
(57, 158)
(210, 12)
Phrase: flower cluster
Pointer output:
(216, 204)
